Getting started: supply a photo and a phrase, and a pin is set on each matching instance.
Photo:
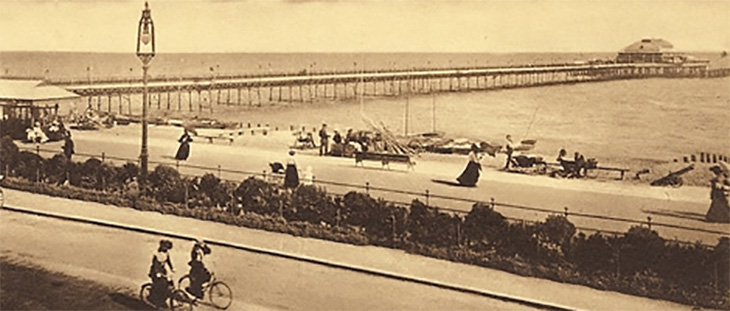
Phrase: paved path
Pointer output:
(684, 206)
(369, 257)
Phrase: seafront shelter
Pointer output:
(32, 100)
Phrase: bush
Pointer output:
(14, 127)
(313, 205)
(217, 192)
(55, 169)
(594, 254)
(429, 226)
(29, 166)
(640, 250)
(483, 227)
(259, 197)
(8, 153)
(555, 233)
(166, 184)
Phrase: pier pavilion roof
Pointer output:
(649, 46)
(31, 90)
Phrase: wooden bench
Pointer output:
(588, 168)
(384, 158)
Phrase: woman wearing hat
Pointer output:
(291, 174)
(719, 208)
(470, 175)
(199, 274)
(158, 273)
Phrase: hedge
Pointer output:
(639, 262)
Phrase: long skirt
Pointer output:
(183, 152)
(719, 210)
(470, 175)
(291, 176)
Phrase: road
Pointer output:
(685, 206)
(120, 259)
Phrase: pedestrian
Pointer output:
(580, 165)
(470, 175)
(68, 146)
(720, 207)
(509, 149)
(183, 152)
(337, 138)
(323, 140)
(291, 174)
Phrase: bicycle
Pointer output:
(177, 298)
(218, 292)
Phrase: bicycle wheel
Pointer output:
(220, 295)
(183, 282)
(144, 293)
(179, 301)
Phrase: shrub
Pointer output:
(688, 265)
(55, 168)
(640, 249)
(555, 233)
(29, 166)
(259, 197)
(483, 227)
(14, 127)
(593, 254)
(217, 192)
(313, 205)
(429, 226)
(8, 153)
(356, 208)
(166, 184)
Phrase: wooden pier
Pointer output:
(202, 94)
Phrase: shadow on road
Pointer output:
(133, 303)
(678, 214)
(451, 183)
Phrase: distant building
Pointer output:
(653, 51)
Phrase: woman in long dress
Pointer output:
(291, 174)
(719, 208)
(184, 150)
(470, 175)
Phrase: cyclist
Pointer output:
(199, 274)
(159, 274)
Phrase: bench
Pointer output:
(571, 167)
(384, 158)
(229, 135)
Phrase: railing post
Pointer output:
(219, 171)
(313, 178)
(427, 197)
(566, 211)
(648, 221)
(103, 157)
(38, 150)
(491, 203)
(367, 187)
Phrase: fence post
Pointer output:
(566, 211)
(648, 221)
(491, 202)
(263, 174)
(37, 149)
(177, 165)
(313, 178)
(367, 187)
(103, 157)
(392, 228)
(219, 171)
(427, 197)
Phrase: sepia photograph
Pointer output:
(365, 155)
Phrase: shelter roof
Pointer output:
(649, 46)
(31, 90)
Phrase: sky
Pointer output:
(285, 26)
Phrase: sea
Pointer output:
(645, 119)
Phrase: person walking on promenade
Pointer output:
(183, 152)
(68, 146)
(509, 149)
(291, 174)
(719, 208)
(323, 140)
(470, 175)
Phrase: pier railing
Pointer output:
(426, 196)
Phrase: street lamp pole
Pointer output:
(145, 52)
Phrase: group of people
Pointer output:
(338, 144)
(161, 271)
(575, 168)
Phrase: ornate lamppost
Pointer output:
(145, 52)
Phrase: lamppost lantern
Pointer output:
(146, 36)
(145, 52)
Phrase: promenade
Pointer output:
(259, 282)
(683, 207)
